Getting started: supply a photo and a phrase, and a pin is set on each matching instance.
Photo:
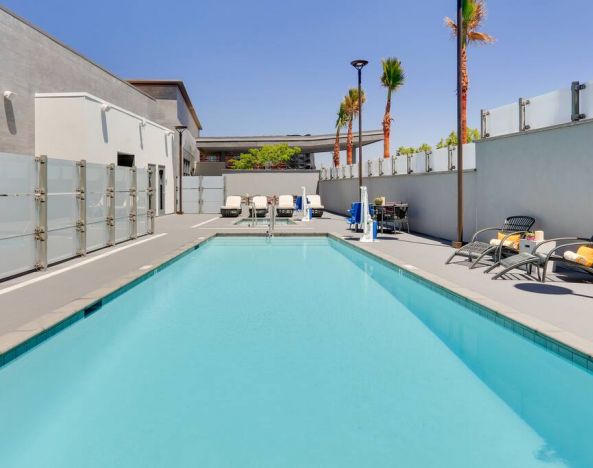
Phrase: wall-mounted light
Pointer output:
(9, 95)
(105, 107)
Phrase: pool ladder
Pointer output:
(272, 225)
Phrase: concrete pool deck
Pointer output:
(563, 309)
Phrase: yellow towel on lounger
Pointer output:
(583, 256)
(512, 242)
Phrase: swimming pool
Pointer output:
(294, 352)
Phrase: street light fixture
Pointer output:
(180, 129)
(359, 65)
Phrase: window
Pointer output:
(126, 160)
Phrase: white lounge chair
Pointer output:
(315, 205)
(232, 207)
(261, 206)
(285, 207)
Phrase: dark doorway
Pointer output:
(126, 160)
(161, 183)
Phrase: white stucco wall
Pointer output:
(74, 126)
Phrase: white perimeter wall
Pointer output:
(73, 126)
(270, 182)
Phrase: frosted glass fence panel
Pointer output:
(418, 163)
(18, 180)
(142, 191)
(62, 201)
(191, 194)
(18, 255)
(142, 224)
(62, 244)
(123, 181)
(469, 156)
(97, 236)
(354, 170)
(503, 120)
(440, 160)
(122, 216)
(374, 167)
(549, 109)
(401, 164)
(96, 193)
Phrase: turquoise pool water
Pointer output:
(301, 352)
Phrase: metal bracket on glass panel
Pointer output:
(484, 123)
(523, 103)
(151, 199)
(380, 167)
(370, 168)
(80, 195)
(133, 203)
(575, 89)
(111, 204)
(41, 210)
(409, 164)
(394, 165)
(428, 161)
(450, 163)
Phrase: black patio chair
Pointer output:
(476, 250)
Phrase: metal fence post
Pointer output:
(369, 168)
(522, 104)
(484, 124)
(41, 208)
(381, 172)
(427, 161)
(394, 164)
(200, 194)
(81, 196)
(133, 203)
(111, 203)
(152, 200)
(409, 164)
(575, 89)
(450, 164)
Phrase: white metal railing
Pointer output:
(558, 107)
(437, 160)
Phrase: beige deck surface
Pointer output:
(567, 305)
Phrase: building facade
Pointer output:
(59, 103)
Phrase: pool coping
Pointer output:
(563, 343)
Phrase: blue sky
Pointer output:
(269, 67)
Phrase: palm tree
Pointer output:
(474, 12)
(393, 77)
(341, 122)
(351, 106)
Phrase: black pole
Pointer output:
(359, 128)
(459, 241)
(180, 129)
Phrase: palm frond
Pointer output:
(451, 24)
(476, 36)
(393, 73)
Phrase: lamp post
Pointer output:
(359, 64)
(180, 129)
(460, 28)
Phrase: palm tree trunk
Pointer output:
(464, 92)
(349, 142)
(387, 126)
(337, 149)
